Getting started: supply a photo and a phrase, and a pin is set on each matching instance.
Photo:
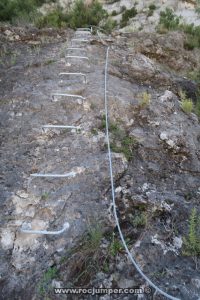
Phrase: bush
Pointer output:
(193, 36)
(152, 7)
(192, 241)
(53, 19)
(114, 13)
(169, 20)
(109, 25)
(186, 104)
(18, 9)
(127, 14)
(80, 15)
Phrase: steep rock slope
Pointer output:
(156, 176)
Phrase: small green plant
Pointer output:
(45, 196)
(121, 142)
(152, 8)
(139, 219)
(95, 235)
(126, 15)
(192, 241)
(115, 246)
(49, 62)
(114, 13)
(186, 104)
(145, 99)
(126, 147)
(44, 285)
(109, 25)
(94, 131)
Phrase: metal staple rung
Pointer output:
(61, 126)
(82, 32)
(83, 29)
(79, 40)
(75, 48)
(74, 74)
(44, 232)
(68, 95)
(76, 56)
(70, 174)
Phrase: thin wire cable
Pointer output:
(113, 193)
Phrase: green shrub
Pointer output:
(127, 14)
(145, 99)
(80, 15)
(169, 20)
(109, 25)
(192, 241)
(152, 7)
(193, 36)
(186, 104)
(83, 16)
(114, 13)
(53, 19)
(11, 10)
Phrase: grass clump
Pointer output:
(45, 196)
(126, 15)
(192, 241)
(186, 104)
(94, 253)
(145, 99)
(120, 141)
(115, 246)
(139, 219)
(44, 285)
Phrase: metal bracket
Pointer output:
(70, 174)
(83, 29)
(44, 232)
(68, 95)
(75, 74)
(61, 126)
(76, 48)
(76, 56)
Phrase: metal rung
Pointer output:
(82, 32)
(76, 56)
(75, 48)
(74, 74)
(83, 29)
(61, 126)
(79, 40)
(65, 227)
(70, 174)
(68, 95)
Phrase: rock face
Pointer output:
(156, 177)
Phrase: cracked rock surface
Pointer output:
(160, 180)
